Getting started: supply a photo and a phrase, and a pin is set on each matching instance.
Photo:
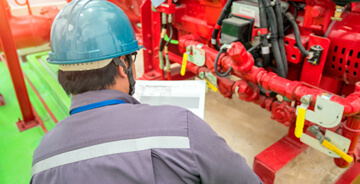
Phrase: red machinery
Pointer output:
(298, 59)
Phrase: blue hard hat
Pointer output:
(91, 30)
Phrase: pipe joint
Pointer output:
(242, 61)
(246, 91)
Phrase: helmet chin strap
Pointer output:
(129, 73)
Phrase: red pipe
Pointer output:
(162, 75)
(281, 111)
(350, 130)
(42, 125)
(292, 90)
(168, 75)
(190, 67)
(29, 30)
(13, 64)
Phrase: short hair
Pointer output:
(76, 82)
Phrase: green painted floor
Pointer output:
(17, 147)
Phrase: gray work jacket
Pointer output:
(135, 143)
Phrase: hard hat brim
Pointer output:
(52, 60)
(85, 66)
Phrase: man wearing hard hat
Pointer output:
(110, 137)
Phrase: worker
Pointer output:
(109, 136)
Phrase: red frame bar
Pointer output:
(8, 45)
(2, 100)
(42, 100)
(352, 175)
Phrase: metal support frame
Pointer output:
(13, 63)
(150, 37)
(352, 175)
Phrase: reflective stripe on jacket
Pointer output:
(135, 143)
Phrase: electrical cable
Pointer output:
(303, 51)
(175, 42)
(296, 8)
(222, 50)
(161, 44)
(224, 13)
(265, 48)
(331, 25)
(171, 35)
(254, 47)
(166, 48)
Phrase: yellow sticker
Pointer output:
(212, 87)
(183, 65)
(336, 150)
(300, 121)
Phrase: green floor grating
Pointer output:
(17, 147)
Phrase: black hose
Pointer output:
(224, 13)
(295, 5)
(264, 42)
(214, 39)
(161, 48)
(216, 64)
(303, 51)
(280, 25)
(166, 50)
(296, 8)
(274, 42)
(254, 47)
(276, 52)
(171, 34)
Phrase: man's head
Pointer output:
(93, 42)
(111, 76)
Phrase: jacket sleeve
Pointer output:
(215, 160)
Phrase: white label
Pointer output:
(213, 41)
(198, 55)
(247, 12)
(265, 50)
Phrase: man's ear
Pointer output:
(121, 69)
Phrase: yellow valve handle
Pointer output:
(184, 62)
(300, 121)
(336, 150)
(212, 87)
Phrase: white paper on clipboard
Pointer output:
(187, 94)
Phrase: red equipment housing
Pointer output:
(337, 71)
(30, 30)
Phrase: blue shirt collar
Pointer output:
(91, 97)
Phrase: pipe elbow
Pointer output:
(183, 41)
(242, 61)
